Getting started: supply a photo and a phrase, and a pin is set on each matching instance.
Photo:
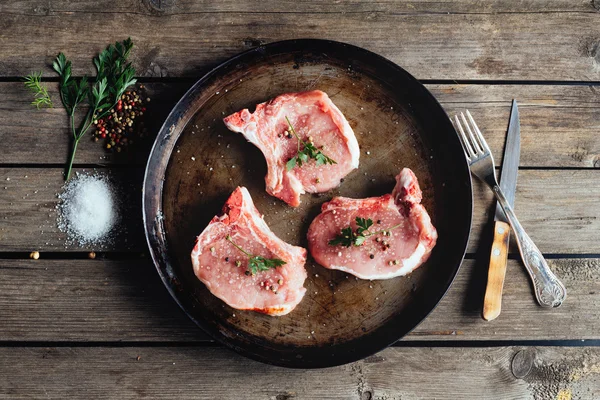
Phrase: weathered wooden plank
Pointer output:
(28, 134)
(521, 317)
(473, 44)
(87, 300)
(270, 6)
(559, 123)
(215, 373)
(104, 300)
(552, 205)
(28, 218)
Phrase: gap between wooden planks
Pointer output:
(434, 40)
(125, 301)
(559, 209)
(395, 373)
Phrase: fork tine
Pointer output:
(474, 142)
(480, 138)
(463, 139)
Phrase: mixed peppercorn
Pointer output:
(119, 128)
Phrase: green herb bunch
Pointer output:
(113, 76)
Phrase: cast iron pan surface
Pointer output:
(397, 122)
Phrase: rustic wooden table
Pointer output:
(106, 328)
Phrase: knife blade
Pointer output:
(510, 162)
(492, 303)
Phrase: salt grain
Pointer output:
(87, 212)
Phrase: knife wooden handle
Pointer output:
(492, 302)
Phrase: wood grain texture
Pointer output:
(89, 300)
(215, 373)
(492, 301)
(565, 116)
(29, 218)
(171, 7)
(28, 134)
(113, 301)
(551, 204)
(435, 41)
(124, 301)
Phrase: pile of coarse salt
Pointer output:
(88, 212)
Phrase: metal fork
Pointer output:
(549, 291)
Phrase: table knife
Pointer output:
(492, 302)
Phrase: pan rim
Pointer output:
(152, 215)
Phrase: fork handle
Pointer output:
(549, 291)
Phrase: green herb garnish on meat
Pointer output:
(356, 237)
(308, 151)
(257, 263)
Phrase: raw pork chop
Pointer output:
(314, 117)
(222, 267)
(381, 256)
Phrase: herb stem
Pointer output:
(72, 118)
(238, 247)
(77, 137)
(89, 119)
(72, 158)
(294, 132)
(382, 230)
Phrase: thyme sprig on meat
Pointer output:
(113, 76)
(257, 263)
(356, 237)
(308, 151)
(41, 98)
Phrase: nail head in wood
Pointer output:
(522, 363)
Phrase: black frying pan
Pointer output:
(396, 120)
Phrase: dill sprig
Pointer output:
(356, 237)
(113, 76)
(257, 263)
(307, 152)
(41, 98)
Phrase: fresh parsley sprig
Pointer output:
(41, 98)
(113, 76)
(72, 91)
(257, 263)
(356, 237)
(307, 152)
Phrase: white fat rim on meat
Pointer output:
(408, 265)
(349, 135)
(248, 130)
